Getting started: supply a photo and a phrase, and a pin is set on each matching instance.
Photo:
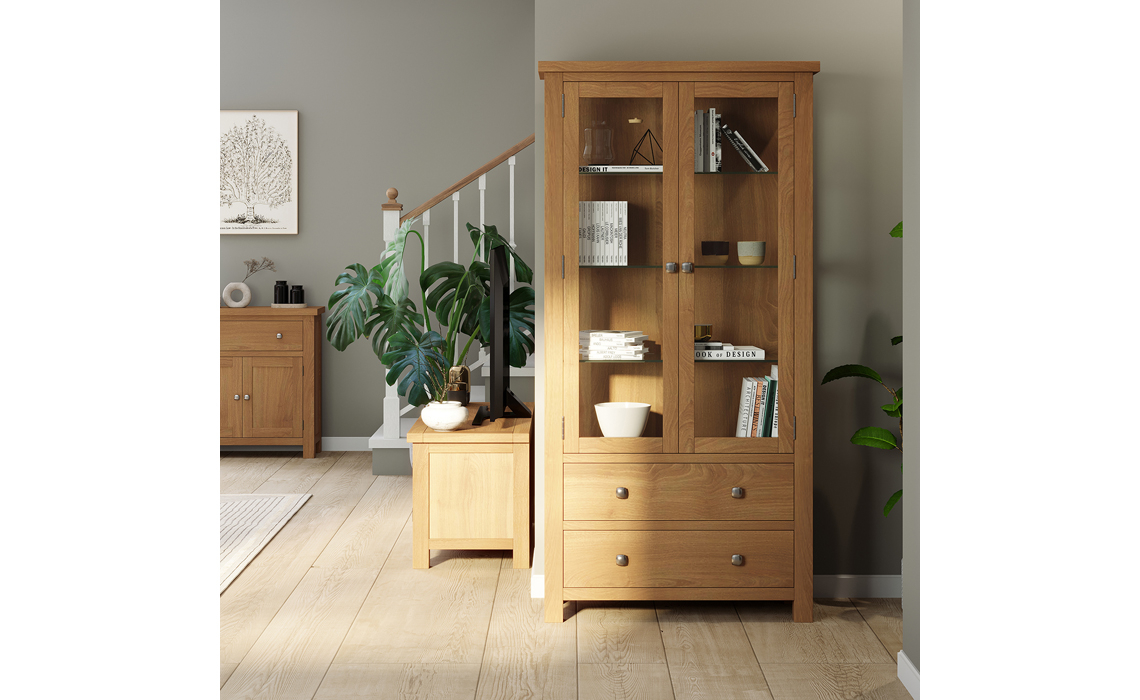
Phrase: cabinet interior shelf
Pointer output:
(739, 172)
(620, 362)
(662, 267)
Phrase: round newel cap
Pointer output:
(392, 194)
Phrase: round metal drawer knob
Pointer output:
(737, 492)
(236, 397)
(622, 560)
(737, 560)
(247, 397)
(622, 492)
(278, 335)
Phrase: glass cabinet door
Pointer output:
(623, 225)
(736, 225)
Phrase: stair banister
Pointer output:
(391, 214)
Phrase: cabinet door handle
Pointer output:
(622, 492)
(686, 267)
(737, 492)
(236, 397)
(737, 560)
(278, 335)
(622, 560)
(246, 397)
(670, 267)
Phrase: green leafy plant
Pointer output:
(879, 438)
(375, 304)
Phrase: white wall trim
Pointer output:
(829, 586)
(908, 675)
(858, 586)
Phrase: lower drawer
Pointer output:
(658, 559)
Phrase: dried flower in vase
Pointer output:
(253, 266)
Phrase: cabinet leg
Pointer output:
(802, 610)
(421, 557)
(553, 610)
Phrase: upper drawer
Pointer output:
(242, 336)
(678, 491)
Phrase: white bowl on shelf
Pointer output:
(622, 418)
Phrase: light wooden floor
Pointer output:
(331, 609)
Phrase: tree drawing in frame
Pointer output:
(258, 184)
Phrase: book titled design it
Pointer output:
(604, 169)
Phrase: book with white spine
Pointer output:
(745, 411)
(698, 134)
(611, 169)
(732, 353)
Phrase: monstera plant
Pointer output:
(418, 353)
(874, 436)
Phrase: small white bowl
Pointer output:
(622, 418)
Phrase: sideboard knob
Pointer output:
(671, 267)
(622, 492)
(737, 560)
(737, 492)
(622, 560)
(278, 335)
(236, 397)
(247, 397)
(687, 267)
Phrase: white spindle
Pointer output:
(511, 167)
(482, 206)
(427, 248)
(391, 218)
(455, 220)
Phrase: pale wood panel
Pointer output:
(677, 458)
(399, 682)
(676, 594)
(291, 656)
(231, 393)
(504, 430)
(678, 491)
(227, 671)
(436, 615)
(837, 635)
(835, 682)
(708, 652)
(757, 446)
(367, 536)
(257, 594)
(298, 475)
(523, 506)
(678, 559)
(625, 89)
(470, 495)
(242, 336)
(678, 76)
(274, 405)
(679, 525)
(421, 552)
(677, 67)
(624, 682)
(885, 617)
(605, 446)
(244, 472)
(618, 634)
(571, 137)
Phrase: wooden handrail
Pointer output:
(497, 160)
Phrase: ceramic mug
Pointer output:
(750, 252)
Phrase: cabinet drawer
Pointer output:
(657, 559)
(245, 336)
(678, 491)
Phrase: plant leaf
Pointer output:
(891, 502)
(351, 308)
(851, 371)
(492, 240)
(896, 340)
(392, 317)
(880, 438)
(894, 409)
(441, 282)
(392, 263)
(520, 324)
(419, 358)
(896, 232)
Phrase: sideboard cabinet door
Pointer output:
(231, 394)
(274, 405)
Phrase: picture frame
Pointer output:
(261, 200)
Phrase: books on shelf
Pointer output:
(611, 345)
(707, 131)
(727, 352)
(604, 169)
(759, 406)
(743, 149)
(603, 234)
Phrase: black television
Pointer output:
(501, 401)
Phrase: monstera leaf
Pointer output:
(419, 358)
(392, 317)
(520, 324)
(444, 280)
(491, 240)
(392, 263)
(351, 308)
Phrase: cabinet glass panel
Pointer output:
(620, 271)
(740, 245)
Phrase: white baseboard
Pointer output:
(830, 586)
(908, 675)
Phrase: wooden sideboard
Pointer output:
(271, 377)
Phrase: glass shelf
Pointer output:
(738, 172)
(736, 267)
(613, 174)
(620, 362)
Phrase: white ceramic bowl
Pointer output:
(443, 415)
(622, 418)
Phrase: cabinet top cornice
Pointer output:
(677, 67)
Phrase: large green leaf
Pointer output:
(896, 232)
(419, 358)
(891, 502)
(896, 340)
(851, 371)
(520, 324)
(492, 240)
(351, 308)
(392, 263)
(392, 317)
(442, 281)
(894, 409)
(875, 437)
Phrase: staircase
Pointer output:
(391, 453)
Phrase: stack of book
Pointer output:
(707, 131)
(612, 169)
(611, 345)
(603, 233)
(759, 414)
(716, 350)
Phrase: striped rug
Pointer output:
(249, 521)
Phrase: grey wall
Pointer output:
(858, 199)
(910, 132)
(412, 95)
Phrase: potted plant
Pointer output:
(376, 305)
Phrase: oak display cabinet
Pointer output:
(686, 511)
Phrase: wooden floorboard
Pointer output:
(884, 616)
(839, 634)
(298, 475)
(835, 682)
(227, 671)
(366, 538)
(291, 657)
(399, 682)
(244, 472)
(624, 682)
(621, 633)
(708, 653)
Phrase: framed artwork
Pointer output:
(259, 171)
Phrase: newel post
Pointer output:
(391, 210)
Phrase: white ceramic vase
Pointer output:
(443, 415)
(622, 418)
(228, 295)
